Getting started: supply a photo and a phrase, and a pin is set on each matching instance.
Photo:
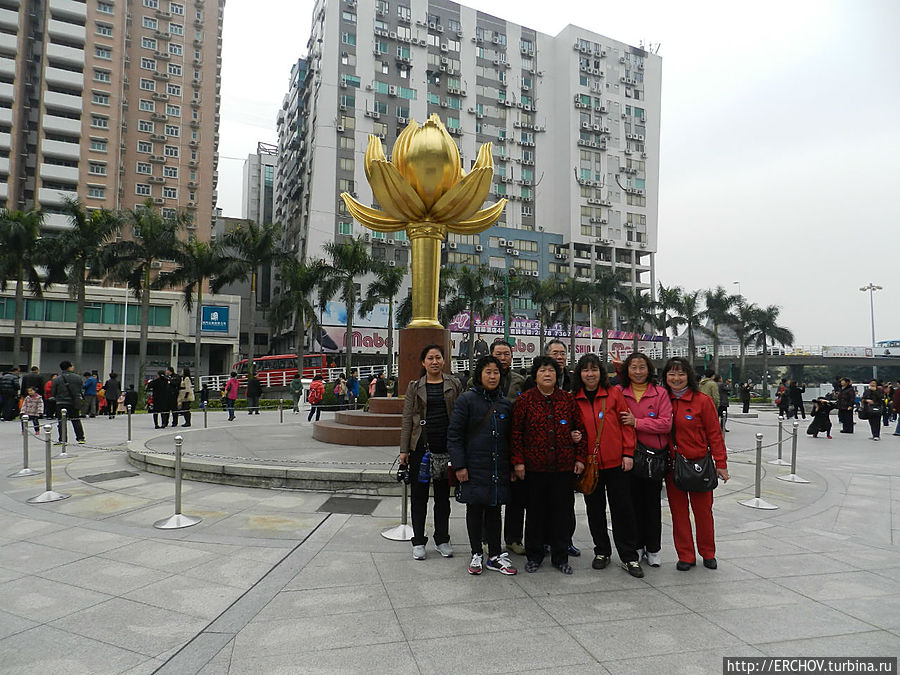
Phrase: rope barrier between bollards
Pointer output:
(792, 477)
(25, 471)
(178, 520)
(48, 495)
(779, 461)
(756, 502)
(403, 531)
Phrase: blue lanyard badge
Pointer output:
(562, 421)
(600, 415)
(688, 417)
(651, 414)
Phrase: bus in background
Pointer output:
(887, 348)
(278, 370)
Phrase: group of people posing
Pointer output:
(878, 404)
(503, 439)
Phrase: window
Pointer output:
(96, 192)
(142, 189)
(103, 52)
(146, 126)
(170, 171)
(176, 8)
(98, 145)
(349, 17)
(147, 106)
(173, 130)
(348, 38)
(147, 84)
(172, 151)
(97, 168)
(345, 228)
(173, 89)
(149, 22)
(170, 193)
(102, 76)
(174, 69)
(148, 43)
(152, 4)
(404, 12)
(148, 64)
(100, 99)
(144, 167)
(347, 143)
(145, 147)
(175, 49)
(99, 122)
(168, 213)
(176, 29)
(345, 164)
(104, 29)
(173, 110)
(104, 8)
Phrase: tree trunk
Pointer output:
(19, 316)
(665, 334)
(765, 341)
(79, 319)
(692, 348)
(543, 337)
(716, 348)
(351, 310)
(390, 338)
(300, 333)
(197, 339)
(635, 334)
(145, 329)
(743, 357)
(471, 341)
(604, 326)
(251, 324)
(572, 332)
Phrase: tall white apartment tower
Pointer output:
(574, 120)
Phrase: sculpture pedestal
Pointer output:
(412, 342)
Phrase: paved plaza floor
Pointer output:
(282, 581)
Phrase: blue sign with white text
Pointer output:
(214, 319)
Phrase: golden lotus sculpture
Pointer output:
(424, 190)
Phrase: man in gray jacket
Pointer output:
(67, 388)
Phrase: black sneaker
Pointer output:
(574, 551)
(531, 566)
(710, 563)
(683, 566)
(634, 569)
(565, 568)
(600, 562)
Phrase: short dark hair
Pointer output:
(680, 363)
(541, 361)
(709, 372)
(65, 365)
(428, 348)
(625, 381)
(482, 363)
(500, 342)
(234, 373)
(34, 369)
(584, 362)
(554, 341)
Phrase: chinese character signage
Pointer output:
(214, 319)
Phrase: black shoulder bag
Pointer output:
(649, 463)
(693, 475)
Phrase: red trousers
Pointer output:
(701, 504)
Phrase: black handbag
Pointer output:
(695, 475)
(650, 463)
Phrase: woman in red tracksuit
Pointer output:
(613, 444)
(695, 431)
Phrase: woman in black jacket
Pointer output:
(871, 404)
(478, 441)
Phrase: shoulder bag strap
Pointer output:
(482, 423)
(599, 424)
(69, 387)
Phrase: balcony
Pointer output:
(9, 19)
(66, 102)
(60, 149)
(65, 54)
(65, 174)
(6, 115)
(69, 9)
(9, 42)
(66, 31)
(4, 166)
(55, 197)
(6, 141)
(64, 77)
(62, 125)
(7, 67)
(6, 91)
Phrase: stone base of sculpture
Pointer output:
(412, 342)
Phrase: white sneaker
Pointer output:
(444, 549)
(475, 566)
(653, 559)
(419, 552)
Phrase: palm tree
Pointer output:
(638, 310)
(573, 292)
(545, 296)
(137, 260)
(299, 280)
(197, 261)
(447, 307)
(668, 300)
(21, 253)
(475, 294)
(741, 321)
(607, 291)
(690, 315)
(765, 328)
(249, 247)
(384, 288)
(349, 261)
(718, 304)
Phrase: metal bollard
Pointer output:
(756, 502)
(779, 461)
(129, 422)
(48, 495)
(792, 477)
(403, 531)
(178, 520)
(25, 471)
(205, 416)
(281, 411)
(64, 437)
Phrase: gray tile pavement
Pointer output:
(267, 584)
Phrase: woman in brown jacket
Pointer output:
(423, 447)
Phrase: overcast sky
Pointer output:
(780, 154)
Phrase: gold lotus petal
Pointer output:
(401, 146)
(430, 161)
(372, 218)
(480, 221)
(465, 198)
(374, 153)
(394, 194)
(485, 158)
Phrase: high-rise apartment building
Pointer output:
(110, 101)
(574, 120)
(259, 184)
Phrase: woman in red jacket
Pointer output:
(612, 443)
(545, 455)
(695, 431)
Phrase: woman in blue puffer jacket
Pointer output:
(478, 442)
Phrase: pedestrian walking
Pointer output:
(185, 396)
(352, 388)
(113, 389)
(67, 392)
(9, 391)
(744, 391)
(32, 380)
(33, 406)
(315, 397)
(871, 408)
(159, 391)
(296, 389)
(230, 394)
(173, 382)
(254, 391)
(846, 401)
(49, 401)
(89, 393)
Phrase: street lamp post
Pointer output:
(738, 284)
(871, 288)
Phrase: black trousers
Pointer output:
(483, 520)
(549, 508)
(615, 485)
(746, 407)
(875, 425)
(514, 518)
(845, 417)
(165, 419)
(73, 416)
(645, 498)
(185, 408)
(418, 504)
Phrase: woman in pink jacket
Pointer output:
(650, 413)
